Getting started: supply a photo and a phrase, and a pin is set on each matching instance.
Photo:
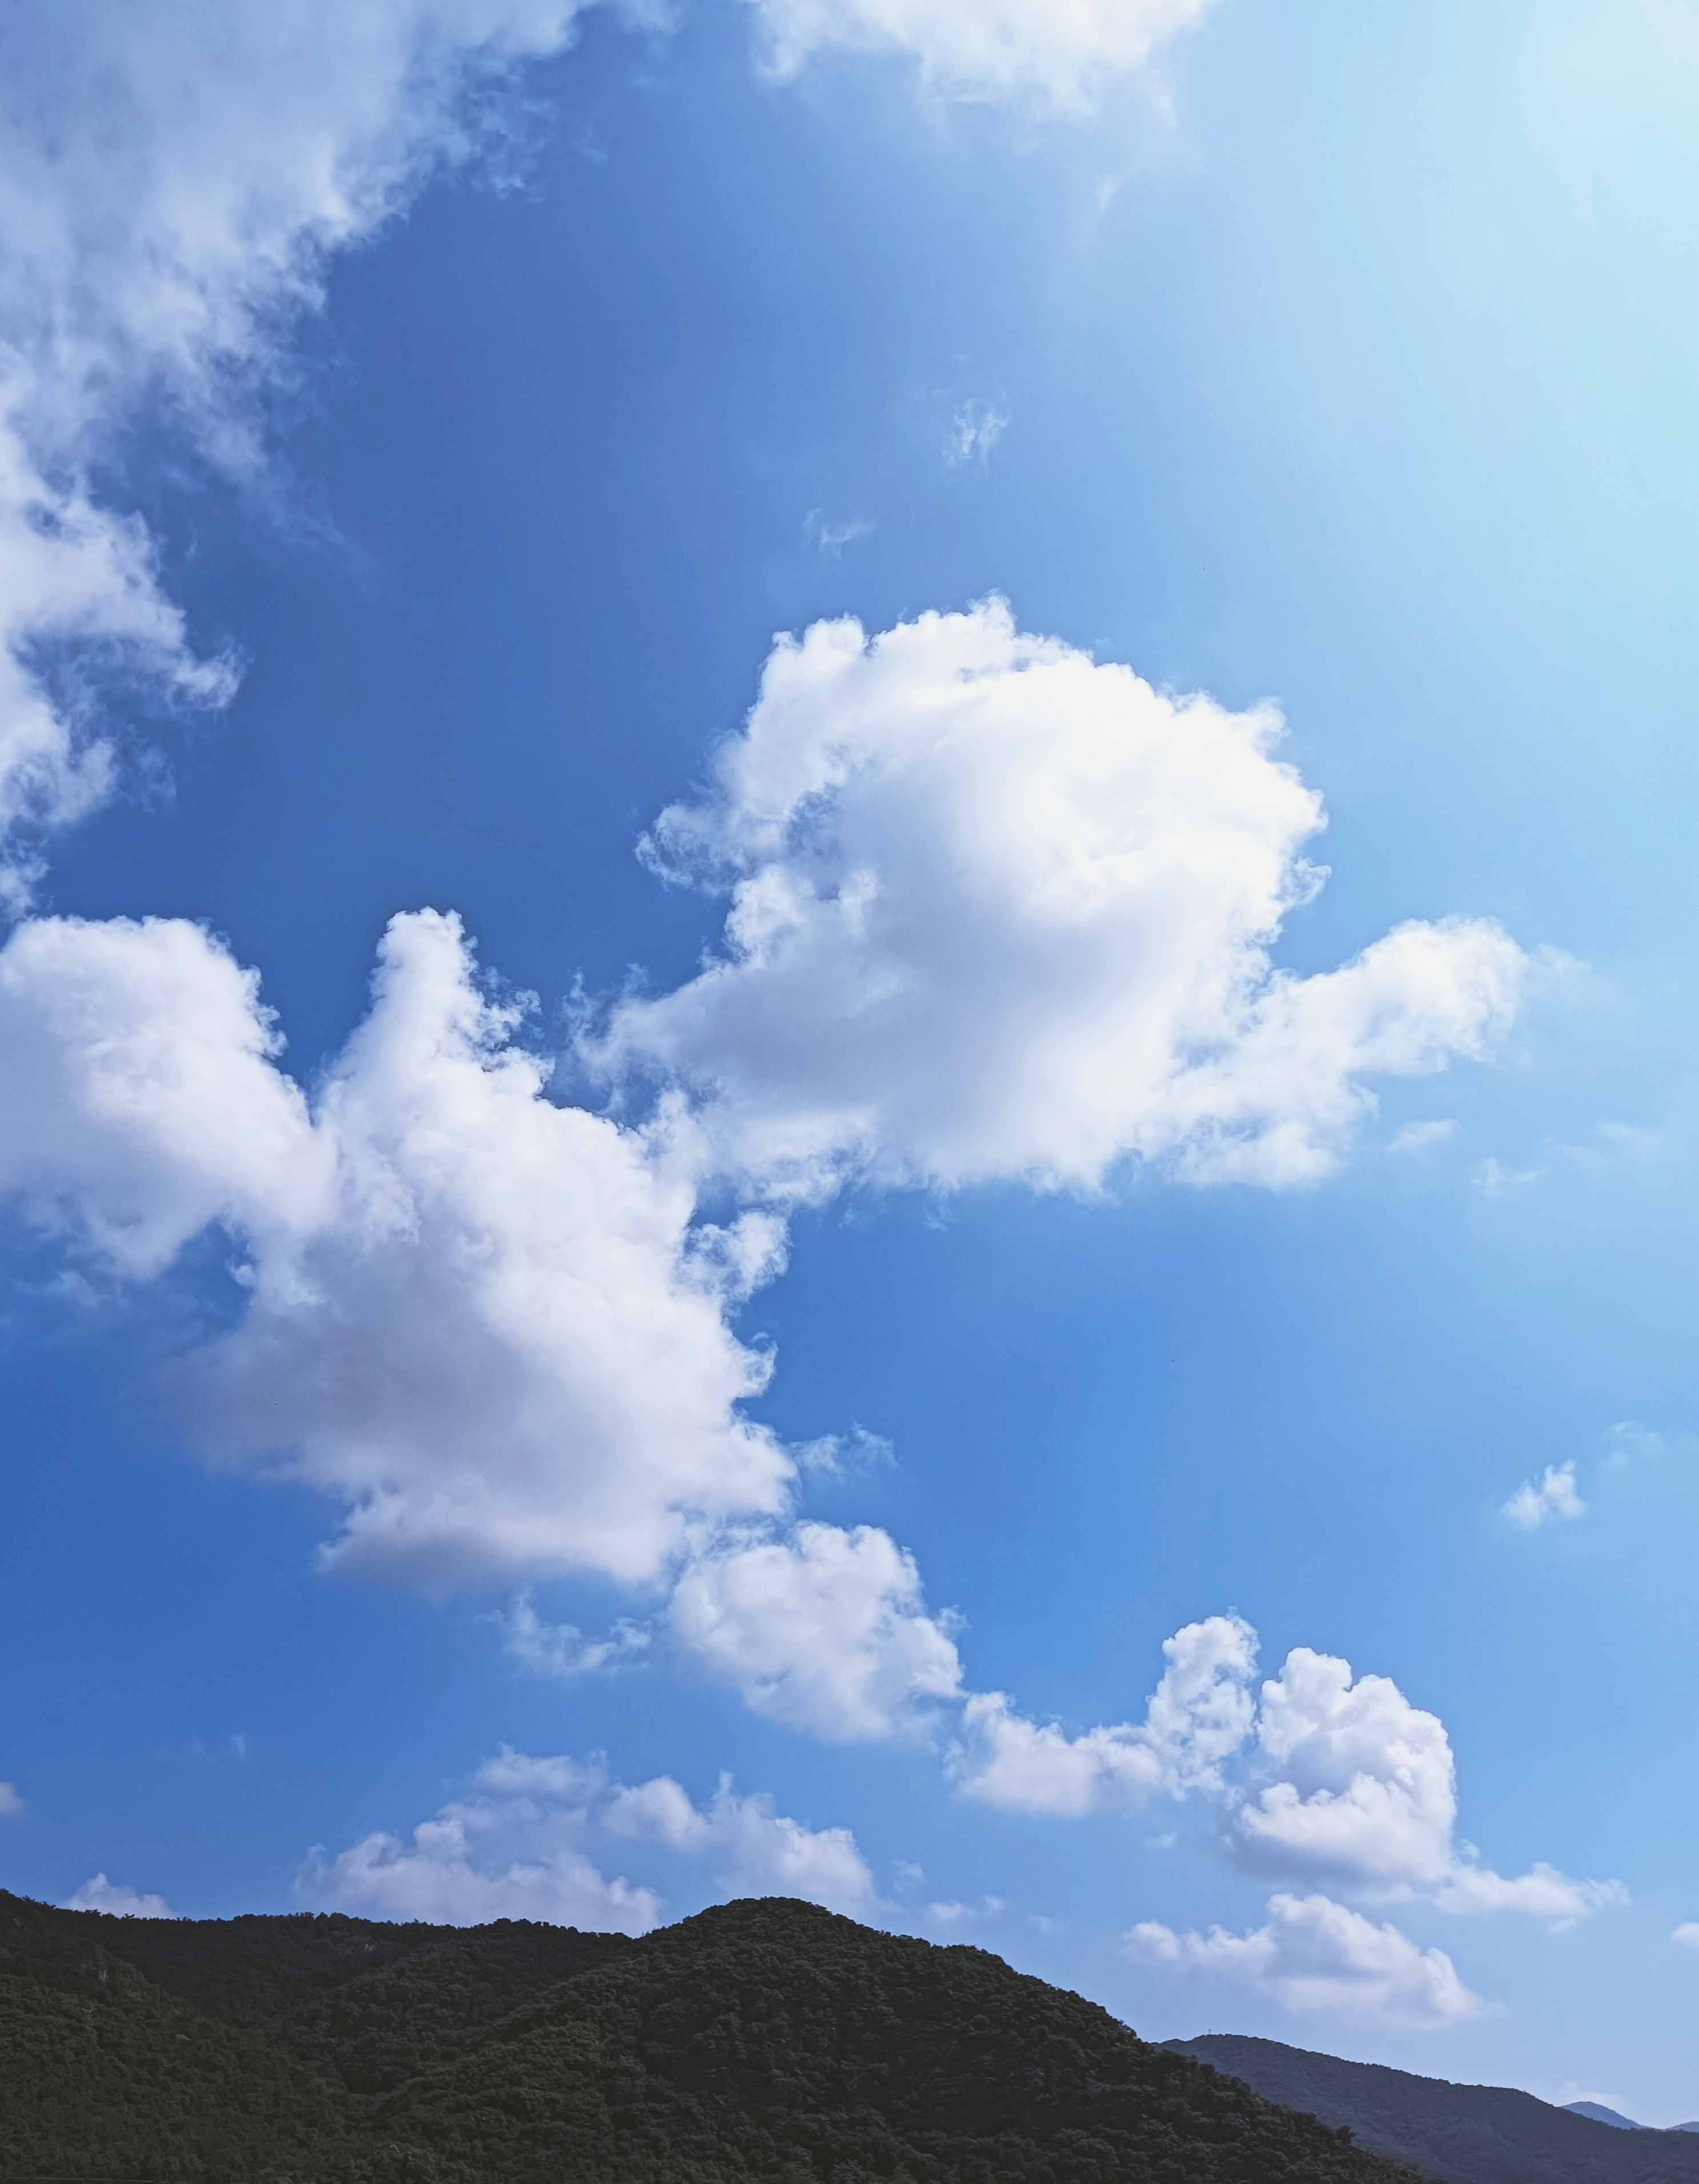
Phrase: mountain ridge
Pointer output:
(762, 2039)
(1458, 2134)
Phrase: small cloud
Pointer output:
(1618, 1143)
(834, 538)
(975, 429)
(1492, 1180)
(1687, 1934)
(1160, 1842)
(1552, 1494)
(833, 1455)
(1044, 1924)
(562, 1649)
(238, 1746)
(12, 1806)
(1628, 1441)
(908, 1872)
(963, 1914)
(1415, 1135)
(100, 1894)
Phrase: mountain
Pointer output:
(1620, 2122)
(1464, 2134)
(759, 2040)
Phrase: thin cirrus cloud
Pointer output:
(518, 1844)
(166, 227)
(1313, 1955)
(1020, 50)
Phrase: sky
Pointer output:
(847, 1011)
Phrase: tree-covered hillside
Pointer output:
(765, 2039)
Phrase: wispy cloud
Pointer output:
(832, 537)
(975, 429)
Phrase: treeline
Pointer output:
(760, 2040)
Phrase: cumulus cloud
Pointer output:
(826, 1630)
(1364, 1786)
(164, 227)
(100, 1894)
(1538, 1500)
(1315, 1955)
(1320, 1777)
(481, 1323)
(518, 1846)
(1687, 1934)
(512, 1849)
(1008, 49)
(1352, 1784)
(998, 911)
(1199, 1715)
(754, 1850)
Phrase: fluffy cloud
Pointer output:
(826, 1631)
(1364, 1787)
(11, 1805)
(1538, 1500)
(998, 911)
(1019, 49)
(482, 1322)
(1199, 1715)
(1315, 1955)
(1354, 1785)
(1687, 1934)
(100, 1894)
(754, 1850)
(518, 1847)
(164, 227)
(1320, 1777)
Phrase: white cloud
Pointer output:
(1354, 1785)
(1057, 55)
(1552, 1494)
(12, 1806)
(754, 1850)
(832, 538)
(1414, 1137)
(998, 911)
(953, 1914)
(560, 1649)
(519, 1846)
(481, 1322)
(1198, 1714)
(513, 1850)
(1687, 1934)
(1315, 1955)
(975, 428)
(100, 1894)
(164, 224)
(1364, 1785)
(827, 1631)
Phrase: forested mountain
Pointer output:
(759, 2040)
(1464, 2134)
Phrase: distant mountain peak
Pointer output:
(1599, 2114)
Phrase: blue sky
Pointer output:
(1018, 1244)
